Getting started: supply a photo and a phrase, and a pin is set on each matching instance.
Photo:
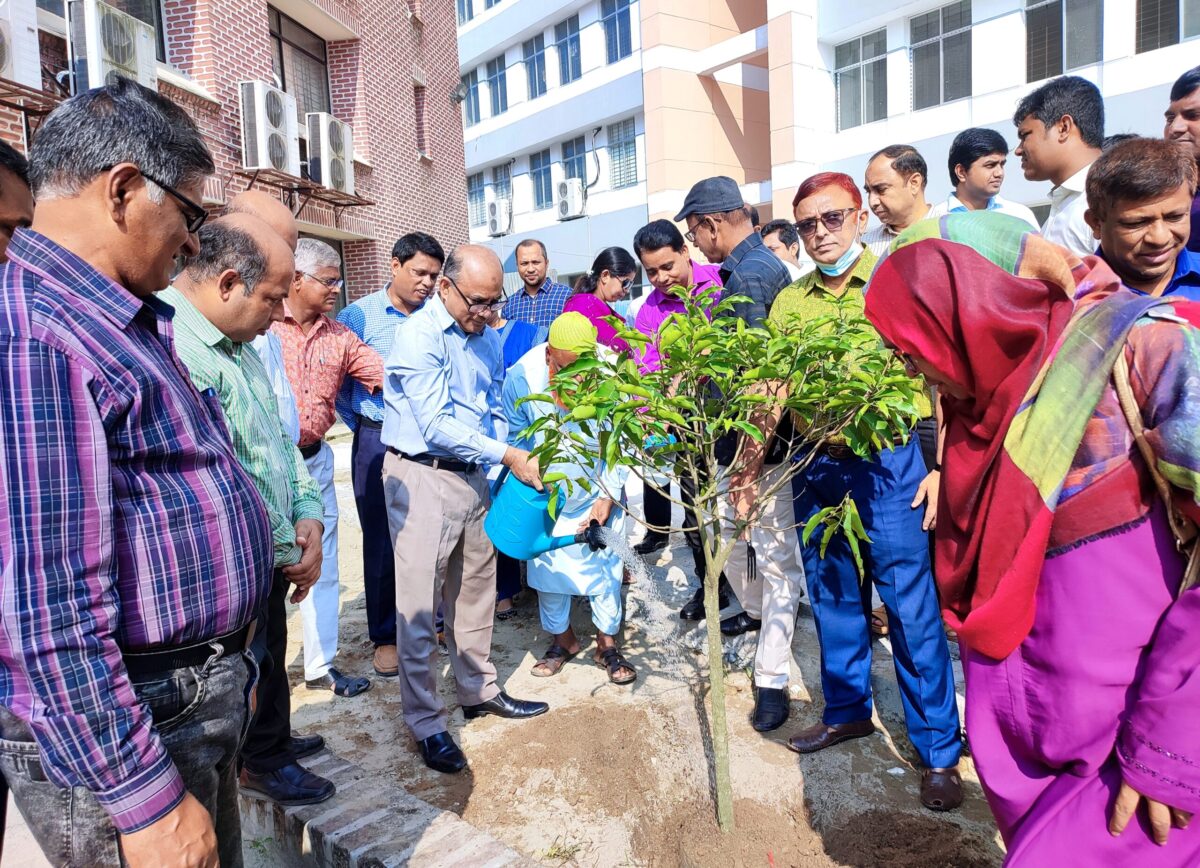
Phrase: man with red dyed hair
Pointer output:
(830, 219)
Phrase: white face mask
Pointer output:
(846, 260)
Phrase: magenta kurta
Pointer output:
(1106, 685)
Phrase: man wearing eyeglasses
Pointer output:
(319, 353)
(444, 425)
(888, 488)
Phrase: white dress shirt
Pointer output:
(1066, 225)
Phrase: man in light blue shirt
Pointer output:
(443, 424)
(976, 163)
(416, 262)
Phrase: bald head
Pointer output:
(470, 287)
(269, 210)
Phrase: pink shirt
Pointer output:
(660, 305)
(596, 311)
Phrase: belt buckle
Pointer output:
(435, 463)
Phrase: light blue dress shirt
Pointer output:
(375, 320)
(442, 389)
(270, 350)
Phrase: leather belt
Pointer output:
(164, 659)
(311, 449)
(436, 461)
(370, 423)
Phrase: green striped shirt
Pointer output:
(235, 374)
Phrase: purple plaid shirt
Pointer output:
(126, 522)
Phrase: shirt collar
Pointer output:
(955, 205)
(321, 323)
(739, 253)
(188, 316)
(441, 316)
(386, 300)
(859, 275)
(1077, 183)
(37, 253)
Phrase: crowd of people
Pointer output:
(170, 378)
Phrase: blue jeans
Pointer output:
(897, 560)
(201, 714)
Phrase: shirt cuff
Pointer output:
(493, 451)
(146, 797)
(303, 509)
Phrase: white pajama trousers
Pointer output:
(319, 610)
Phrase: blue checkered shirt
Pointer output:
(374, 319)
(542, 308)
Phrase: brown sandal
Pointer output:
(552, 661)
(611, 659)
(941, 789)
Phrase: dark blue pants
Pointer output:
(897, 560)
(379, 566)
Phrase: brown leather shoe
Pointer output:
(821, 736)
(941, 789)
(387, 664)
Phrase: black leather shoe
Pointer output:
(771, 708)
(441, 754)
(307, 745)
(693, 610)
(739, 624)
(503, 705)
(289, 786)
(652, 542)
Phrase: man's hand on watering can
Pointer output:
(601, 510)
(523, 466)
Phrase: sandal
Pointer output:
(552, 661)
(941, 789)
(341, 685)
(879, 621)
(626, 577)
(611, 659)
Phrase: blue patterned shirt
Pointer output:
(374, 319)
(540, 309)
(753, 271)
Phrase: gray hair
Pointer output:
(227, 248)
(312, 254)
(121, 122)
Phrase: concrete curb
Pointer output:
(369, 823)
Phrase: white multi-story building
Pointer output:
(666, 92)
(554, 126)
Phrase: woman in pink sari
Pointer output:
(1055, 559)
(613, 272)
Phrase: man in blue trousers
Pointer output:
(888, 489)
(417, 260)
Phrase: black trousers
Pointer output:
(657, 507)
(268, 745)
(379, 564)
(927, 434)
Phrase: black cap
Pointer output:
(711, 196)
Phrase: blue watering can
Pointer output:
(519, 522)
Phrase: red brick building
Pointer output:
(388, 68)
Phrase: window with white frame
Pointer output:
(566, 38)
(618, 32)
(1061, 35)
(470, 83)
(476, 205)
(1166, 22)
(941, 54)
(149, 11)
(466, 11)
(574, 155)
(497, 80)
(534, 51)
(502, 181)
(539, 175)
(622, 154)
(861, 75)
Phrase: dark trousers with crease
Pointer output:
(379, 563)
(269, 743)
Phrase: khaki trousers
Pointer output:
(774, 596)
(442, 556)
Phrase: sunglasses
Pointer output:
(910, 365)
(329, 283)
(831, 220)
(193, 213)
(476, 308)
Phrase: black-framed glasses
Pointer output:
(330, 283)
(690, 235)
(475, 308)
(193, 213)
(832, 220)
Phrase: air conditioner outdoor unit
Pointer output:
(569, 198)
(270, 129)
(330, 152)
(20, 57)
(105, 41)
(499, 217)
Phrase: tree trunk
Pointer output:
(716, 694)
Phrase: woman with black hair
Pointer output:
(612, 273)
